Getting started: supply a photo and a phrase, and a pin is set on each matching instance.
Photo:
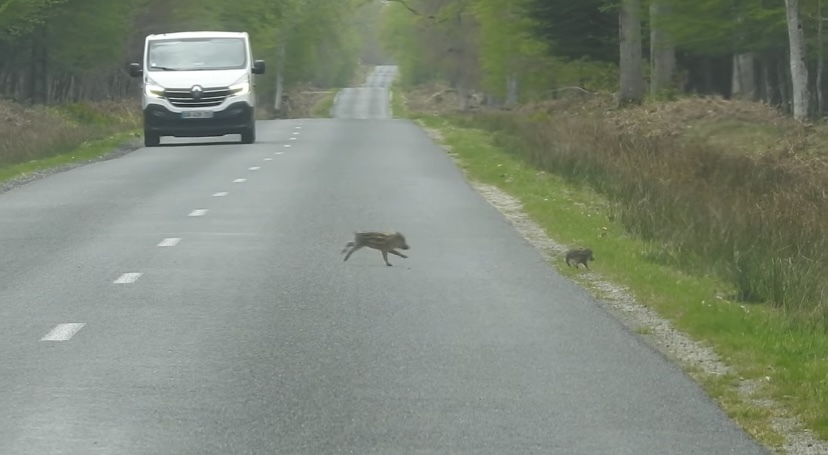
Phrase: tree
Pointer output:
(799, 68)
(632, 77)
(662, 49)
(820, 57)
(446, 40)
(576, 29)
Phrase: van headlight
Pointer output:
(154, 91)
(242, 88)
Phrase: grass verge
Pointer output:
(322, 107)
(30, 133)
(398, 108)
(774, 359)
(34, 139)
(90, 150)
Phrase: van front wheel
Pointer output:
(151, 139)
(248, 136)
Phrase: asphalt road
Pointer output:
(216, 316)
(369, 102)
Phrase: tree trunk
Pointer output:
(743, 84)
(799, 69)
(707, 68)
(280, 67)
(632, 77)
(463, 94)
(783, 77)
(511, 90)
(767, 85)
(820, 61)
(662, 51)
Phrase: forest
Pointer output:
(520, 50)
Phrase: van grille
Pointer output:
(185, 98)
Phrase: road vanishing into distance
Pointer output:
(191, 299)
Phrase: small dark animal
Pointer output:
(579, 256)
(385, 242)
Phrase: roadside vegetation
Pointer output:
(685, 172)
(63, 78)
(39, 134)
(322, 107)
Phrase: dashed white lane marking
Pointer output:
(254, 168)
(279, 153)
(128, 278)
(298, 127)
(198, 212)
(288, 145)
(295, 133)
(293, 138)
(170, 242)
(220, 194)
(63, 332)
(268, 159)
(239, 180)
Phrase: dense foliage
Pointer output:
(71, 50)
(577, 43)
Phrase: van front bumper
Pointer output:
(235, 119)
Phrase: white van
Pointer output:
(198, 84)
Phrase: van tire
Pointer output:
(248, 135)
(151, 139)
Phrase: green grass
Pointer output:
(322, 108)
(39, 132)
(86, 151)
(755, 340)
(398, 102)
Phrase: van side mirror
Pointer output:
(258, 67)
(135, 69)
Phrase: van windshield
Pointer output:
(193, 54)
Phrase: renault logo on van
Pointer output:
(197, 91)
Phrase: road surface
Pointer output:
(192, 299)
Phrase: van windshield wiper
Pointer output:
(165, 68)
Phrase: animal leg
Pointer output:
(397, 253)
(351, 252)
(385, 257)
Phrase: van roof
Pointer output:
(199, 34)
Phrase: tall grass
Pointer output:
(34, 132)
(756, 219)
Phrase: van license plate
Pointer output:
(197, 114)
